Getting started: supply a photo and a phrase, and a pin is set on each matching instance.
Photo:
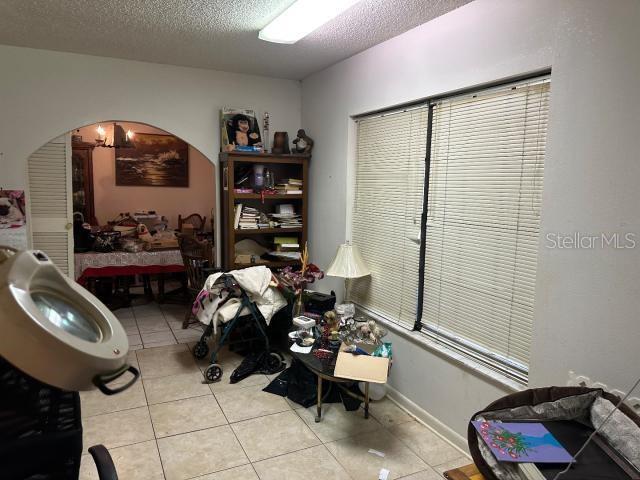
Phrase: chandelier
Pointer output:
(119, 139)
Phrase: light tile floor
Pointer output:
(172, 426)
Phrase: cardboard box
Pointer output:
(165, 244)
(245, 259)
(364, 368)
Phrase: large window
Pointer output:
(471, 284)
(387, 211)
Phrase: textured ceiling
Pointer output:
(216, 34)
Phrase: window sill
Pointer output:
(448, 354)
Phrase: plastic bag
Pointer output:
(383, 350)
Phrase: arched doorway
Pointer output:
(99, 171)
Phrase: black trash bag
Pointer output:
(280, 384)
(248, 366)
(350, 403)
(297, 383)
(300, 385)
(264, 362)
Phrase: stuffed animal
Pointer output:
(370, 331)
(303, 143)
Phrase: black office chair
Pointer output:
(41, 431)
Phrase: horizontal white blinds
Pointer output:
(389, 187)
(485, 191)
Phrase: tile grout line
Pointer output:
(240, 443)
(155, 437)
(124, 446)
(233, 432)
(170, 329)
(135, 321)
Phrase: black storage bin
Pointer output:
(534, 398)
(40, 428)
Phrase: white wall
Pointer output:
(587, 302)
(44, 94)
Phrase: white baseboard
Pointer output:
(424, 417)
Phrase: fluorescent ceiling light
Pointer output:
(302, 18)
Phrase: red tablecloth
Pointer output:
(94, 264)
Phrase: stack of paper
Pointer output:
(246, 217)
(283, 220)
(287, 248)
(285, 217)
(290, 186)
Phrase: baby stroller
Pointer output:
(230, 292)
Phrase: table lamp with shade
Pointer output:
(348, 263)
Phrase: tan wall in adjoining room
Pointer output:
(110, 200)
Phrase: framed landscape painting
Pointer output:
(153, 161)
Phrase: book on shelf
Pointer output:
(285, 240)
(237, 209)
(285, 217)
(288, 247)
(289, 186)
(285, 255)
(283, 191)
(249, 218)
(246, 218)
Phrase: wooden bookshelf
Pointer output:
(282, 166)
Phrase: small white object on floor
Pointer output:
(377, 391)
(376, 452)
(384, 474)
(296, 348)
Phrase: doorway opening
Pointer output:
(106, 201)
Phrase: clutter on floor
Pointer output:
(331, 349)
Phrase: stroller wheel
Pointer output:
(275, 362)
(200, 350)
(213, 373)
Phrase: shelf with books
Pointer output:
(260, 231)
(270, 264)
(271, 211)
(277, 196)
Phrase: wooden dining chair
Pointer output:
(198, 260)
(194, 219)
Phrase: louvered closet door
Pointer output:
(389, 187)
(49, 202)
(485, 192)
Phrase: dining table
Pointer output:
(91, 265)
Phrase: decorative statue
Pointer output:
(303, 143)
